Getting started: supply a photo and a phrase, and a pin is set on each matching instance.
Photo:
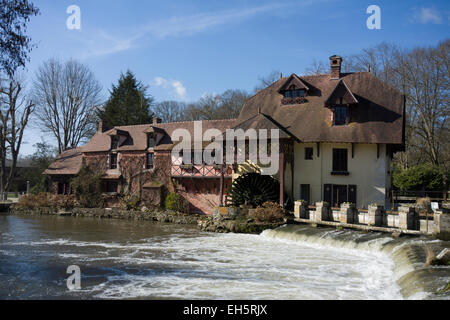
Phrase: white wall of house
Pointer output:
(370, 174)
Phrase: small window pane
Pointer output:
(150, 160)
(113, 163)
(309, 153)
(340, 115)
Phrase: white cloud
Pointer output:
(427, 15)
(177, 86)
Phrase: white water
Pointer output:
(235, 266)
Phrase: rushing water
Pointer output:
(142, 260)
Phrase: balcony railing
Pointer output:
(201, 171)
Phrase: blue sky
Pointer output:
(184, 49)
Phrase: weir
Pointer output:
(406, 221)
(409, 254)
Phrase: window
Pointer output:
(114, 142)
(294, 93)
(340, 161)
(113, 161)
(111, 186)
(340, 115)
(150, 161)
(309, 153)
(151, 140)
(305, 192)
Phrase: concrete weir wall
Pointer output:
(406, 220)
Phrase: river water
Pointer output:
(142, 260)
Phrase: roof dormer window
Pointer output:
(295, 93)
(114, 142)
(151, 140)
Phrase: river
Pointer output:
(143, 260)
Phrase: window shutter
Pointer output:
(327, 193)
(352, 193)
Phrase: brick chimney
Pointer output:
(156, 120)
(335, 64)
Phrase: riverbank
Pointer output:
(154, 215)
(236, 224)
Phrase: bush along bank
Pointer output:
(244, 220)
(159, 215)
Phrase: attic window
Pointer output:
(151, 140)
(295, 93)
(114, 142)
(340, 115)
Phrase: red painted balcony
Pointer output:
(201, 171)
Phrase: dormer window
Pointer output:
(295, 93)
(114, 142)
(151, 140)
(340, 115)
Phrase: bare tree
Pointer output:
(422, 75)
(170, 111)
(67, 96)
(15, 112)
(268, 80)
(316, 68)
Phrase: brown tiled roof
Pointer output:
(376, 118)
(137, 137)
(68, 163)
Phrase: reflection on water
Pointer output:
(142, 260)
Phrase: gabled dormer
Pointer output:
(294, 91)
(340, 102)
(154, 136)
(118, 137)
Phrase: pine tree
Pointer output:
(128, 104)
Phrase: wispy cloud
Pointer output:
(175, 86)
(100, 43)
(427, 15)
(189, 25)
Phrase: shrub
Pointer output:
(46, 200)
(177, 202)
(88, 188)
(421, 177)
(129, 202)
(269, 212)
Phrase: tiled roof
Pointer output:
(377, 117)
(68, 163)
(137, 136)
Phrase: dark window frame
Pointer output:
(151, 140)
(340, 115)
(113, 161)
(309, 153)
(114, 142)
(111, 186)
(150, 164)
(340, 162)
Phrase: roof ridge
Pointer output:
(175, 122)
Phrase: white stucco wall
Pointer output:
(367, 172)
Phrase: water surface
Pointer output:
(142, 260)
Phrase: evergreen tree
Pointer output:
(128, 104)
